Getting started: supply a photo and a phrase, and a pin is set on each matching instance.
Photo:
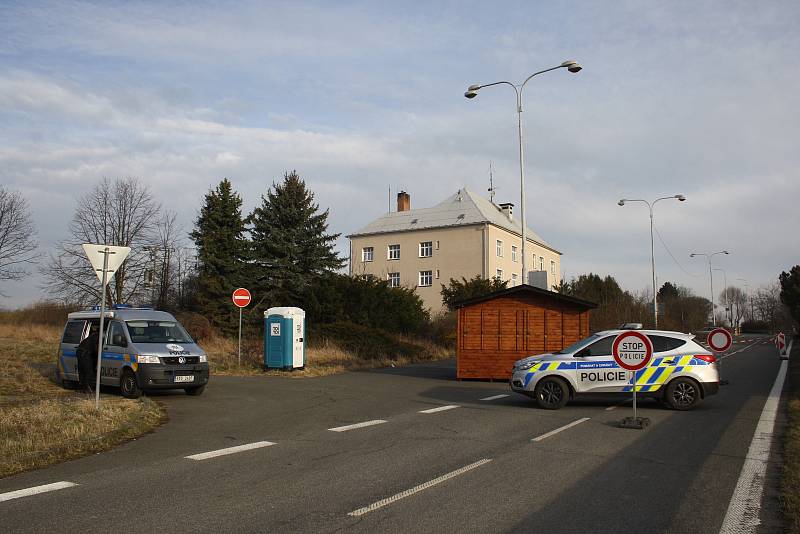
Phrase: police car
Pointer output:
(143, 349)
(680, 374)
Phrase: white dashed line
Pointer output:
(495, 397)
(402, 495)
(27, 492)
(743, 510)
(439, 409)
(561, 429)
(357, 425)
(229, 450)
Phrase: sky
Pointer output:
(693, 98)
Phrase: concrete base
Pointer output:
(638, 423)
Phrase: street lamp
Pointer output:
(711, 279)
(622, 202)
(747, 291)
(728, 309)
(472, 92)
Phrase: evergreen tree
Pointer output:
(290, 246)
(221, 247)
(790, 291)
(458, 290)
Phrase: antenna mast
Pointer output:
(491, 184)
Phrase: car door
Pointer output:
(113, 353)
(74, 332)
(669, 355)
(596, 371)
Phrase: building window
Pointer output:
(394, 279)
(513, 253)
(366, 254)
(499, 249)
(499, 274)
(426, 249)
(513, 279)
(552, 267)
(425, 278)
(541, 263)
(394, 252)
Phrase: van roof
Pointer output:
(128, 314)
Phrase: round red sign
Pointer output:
(719, 340)
(241, 297)
(632, 350)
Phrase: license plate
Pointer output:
(182, 378)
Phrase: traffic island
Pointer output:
(637, 423)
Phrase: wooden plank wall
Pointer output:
(492, 335)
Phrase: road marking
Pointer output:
(561, 429)
(743, 510)
(35, 490)
(229, 450)
(612, 408)
(495, 397)
(403, 494)
(357, 425)
(439, 409)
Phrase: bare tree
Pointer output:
(119, 212)
(767, 304)
(167, 261)
(736, 302)
(17, 244)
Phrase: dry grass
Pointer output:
(41, 423)
(790, 479)
(321, 360)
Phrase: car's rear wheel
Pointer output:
(551, 393)
(128, 385)
(682, 394)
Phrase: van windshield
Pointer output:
(157, 332)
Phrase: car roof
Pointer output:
(648, 332)
(128, 314)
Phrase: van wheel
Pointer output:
(682, 394)
(128, 386)
(197, 390)
(551, 393)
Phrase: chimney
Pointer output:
(507, 208)
(403, 201)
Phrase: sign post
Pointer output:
(241, 298)
(633, 350)
(719, 340)
(105, 260)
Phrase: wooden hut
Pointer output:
(497, 329)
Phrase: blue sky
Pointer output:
(698, 98)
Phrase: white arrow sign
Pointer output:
(97, 253)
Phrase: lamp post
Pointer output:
(711, 279)
(728, 309)
(472, 92)
(747, 292)
(650, 206)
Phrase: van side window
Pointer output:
(664, 343)
(73, 331)
(117, 334)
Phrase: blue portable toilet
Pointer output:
(284, 338)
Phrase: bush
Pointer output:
(367, 343)
(755, 327)
(46, 312)
(198, 326)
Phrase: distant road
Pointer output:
(409, 450)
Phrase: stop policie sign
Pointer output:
(632, 350)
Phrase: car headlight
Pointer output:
(202, 358)
(525, 366)
(148, 358)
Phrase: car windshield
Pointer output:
(578, 345)
(157, 332)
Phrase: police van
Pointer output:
(680, 374)
(143, 349)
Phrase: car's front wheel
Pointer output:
(128, 385)
(682, 394)
(551, 393)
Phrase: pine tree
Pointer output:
(290, 246)
(221, 248)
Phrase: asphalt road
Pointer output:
(486, 472)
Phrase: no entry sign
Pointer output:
(632, 350)
(719, 340)
(241, 297)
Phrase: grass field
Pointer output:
(41, 423)
(790, 483)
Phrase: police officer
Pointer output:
(87, 359)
